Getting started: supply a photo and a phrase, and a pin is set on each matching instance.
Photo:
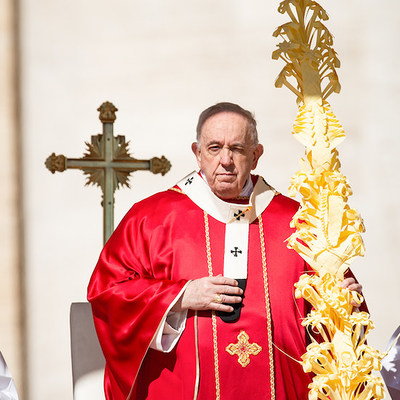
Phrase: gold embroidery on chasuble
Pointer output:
(243, 349)
(176, 190)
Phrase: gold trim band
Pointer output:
(267, 308)
(214, 318)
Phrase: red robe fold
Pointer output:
(160, 245)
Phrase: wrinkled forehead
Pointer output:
(225, 126)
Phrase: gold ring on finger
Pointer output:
(218, 299)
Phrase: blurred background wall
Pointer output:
(161, 62)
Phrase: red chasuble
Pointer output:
(161, 244)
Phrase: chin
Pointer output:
(226, 193)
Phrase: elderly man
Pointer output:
(192, 296)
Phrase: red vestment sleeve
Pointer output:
(130, 291)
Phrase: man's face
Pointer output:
(226, 154)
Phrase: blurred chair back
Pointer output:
(87, 358)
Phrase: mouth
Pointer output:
(226, 176)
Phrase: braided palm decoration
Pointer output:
(328, 231)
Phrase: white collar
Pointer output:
(200, 193)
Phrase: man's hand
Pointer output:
(351, 284)
(209, 293)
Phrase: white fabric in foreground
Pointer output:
(7, 387)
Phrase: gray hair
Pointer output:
(228, 107)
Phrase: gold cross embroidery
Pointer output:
(243, 349)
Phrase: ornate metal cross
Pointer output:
(108, 164)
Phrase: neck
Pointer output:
(246, 191)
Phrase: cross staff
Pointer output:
(108, 164)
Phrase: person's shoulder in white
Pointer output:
(8, 390)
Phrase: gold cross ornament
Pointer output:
(243, 349)
(108, 164)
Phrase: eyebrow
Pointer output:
(235, 144)
(213, 142)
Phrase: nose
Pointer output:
(226, 157)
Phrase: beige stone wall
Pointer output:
(10, 243)
(161, 62)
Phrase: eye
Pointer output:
(214, 149)
(237, 149)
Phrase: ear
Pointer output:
(258, 152)
(197, 153)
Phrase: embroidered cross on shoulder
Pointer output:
(189, 181)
